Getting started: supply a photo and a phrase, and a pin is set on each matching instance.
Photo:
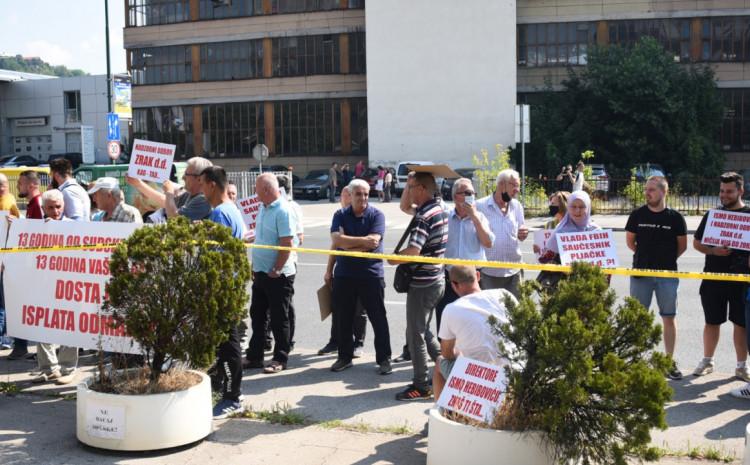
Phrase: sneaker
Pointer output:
(674, 372)
(328, 349)
(225, 408)
(18, 354)
(742, 373)
(45, 377)
(359, 351)
(741, 393)
(704, 367)
(384, 368)
(404, 357)
(414, 393)
(5, 346)
(341, 365)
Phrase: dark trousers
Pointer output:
(449, 297)
(292, 322)
(331, 193)
(229, 366)
(359, 327)
(371, 292)
(274, 294)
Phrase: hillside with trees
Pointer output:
(37, 66)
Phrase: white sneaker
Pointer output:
(742, 373)
(741, 393)
(704, 367)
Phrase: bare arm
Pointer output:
(483, 233)
(146, 190)
(630, 241)
(329, 269)
(411, 251)
(170, 206)
(405, 204)
(448, 349)
(283, 255)
(721, 251)
(342, 241)
(681, 245)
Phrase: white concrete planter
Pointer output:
(144, 422)
(451, 443)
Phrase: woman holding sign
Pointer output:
(577, 219)
(558, 207)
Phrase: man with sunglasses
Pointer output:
(469, 234)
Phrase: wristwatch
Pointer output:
(275, 270)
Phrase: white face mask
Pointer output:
(469, 199)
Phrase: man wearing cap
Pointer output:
(109, 199)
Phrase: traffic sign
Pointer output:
(113, 127)
(113, 149)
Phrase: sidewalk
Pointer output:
(38, 425)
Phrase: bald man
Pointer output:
(7, 200)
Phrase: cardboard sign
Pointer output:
(595, 247)
(105, 421)
(249, 207)
(474, 389)
(540, 238)
(56, 296)
(730, 229)
(151, 161)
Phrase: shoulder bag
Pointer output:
(404, 271)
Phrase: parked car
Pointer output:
(275, 169)
(10, 161)
(75, 158)
(446, 189)
(371, 176)
(402, 172)
(646, 170)
(600, 178)
(313, 186)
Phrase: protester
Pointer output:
(109, 199)
(229, 353)
(722, 298)
(577, 219)
(657, 235)
(580, 180)
(387, 182)
(380, 183)
(359, 227)
(58, 367)
(346, 175)
(469, 234)
(76, 200)
(359, 323)
(566, 178)
(333, 181)
(7, 203)
(232, 191)
(505, 215)
(273, 275)
(558, 207)
(427, 238)
(359, 169)
(466, 329)
(191, 203)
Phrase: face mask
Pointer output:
(506, 197)
(553, 210)
(469, 199)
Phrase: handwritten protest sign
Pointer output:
(56, 296)
(249, 207)
(595, 247)
(474, 389)
(730, 229)
(540, 238)
(151, 161)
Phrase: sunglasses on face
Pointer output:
(466, 192)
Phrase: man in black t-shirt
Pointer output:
(658, 236)
(721, 297)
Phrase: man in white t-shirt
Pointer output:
(465, 329)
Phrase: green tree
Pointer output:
(630, 105)
(37, 66)
(179, 288)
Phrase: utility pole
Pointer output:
(109, 69)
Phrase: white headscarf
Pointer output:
(568, 225)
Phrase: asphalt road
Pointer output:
(313, 334)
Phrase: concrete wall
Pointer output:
(441, 78)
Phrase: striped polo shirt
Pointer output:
(430, 236)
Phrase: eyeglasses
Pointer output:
(190, 174)
(466, 192)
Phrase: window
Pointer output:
(72, 102)
(232, 129)
(300, 6)
(308, 127)
(154, 12)
(161, 65)
(217, 9)
(171, 125)
(725, 39)
(672, 34)
(357, 58)
(359, 126)
(306, 55)
(554, 44)
(735, 129)
(232, 60)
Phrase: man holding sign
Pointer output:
(719, 298)
(657, 235)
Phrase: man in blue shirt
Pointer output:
(229, 354)
(359, 227)
(273, 275)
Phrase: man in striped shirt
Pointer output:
(428, 238)
(505, 215)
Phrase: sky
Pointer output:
(64, 32)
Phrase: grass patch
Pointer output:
(280, 414)
(8, 388)
(712, 453)
(362, 427)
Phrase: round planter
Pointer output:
(451, 443)
(143, 422)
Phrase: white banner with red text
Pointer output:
(151, 161)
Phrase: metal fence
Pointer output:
(245, 181)
(621, 196)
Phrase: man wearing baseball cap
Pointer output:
(110, 200)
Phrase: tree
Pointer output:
(630, 105)
(178, 288)
(37, 66)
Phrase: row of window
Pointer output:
(735, 128)
(155, 12)
(560, 44)
(291, 56)
(301, 127)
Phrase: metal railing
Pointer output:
(245, 181)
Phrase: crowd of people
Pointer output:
(459, 298)
(340, 177)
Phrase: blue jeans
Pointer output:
(643, 288)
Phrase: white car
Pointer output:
(402, 173)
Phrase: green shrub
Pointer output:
(487, 169)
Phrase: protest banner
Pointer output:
(474, 389)
(595, 247)
(540, 239)
(55, 296)
(727, 228)
(151, 161)
(249, 207)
